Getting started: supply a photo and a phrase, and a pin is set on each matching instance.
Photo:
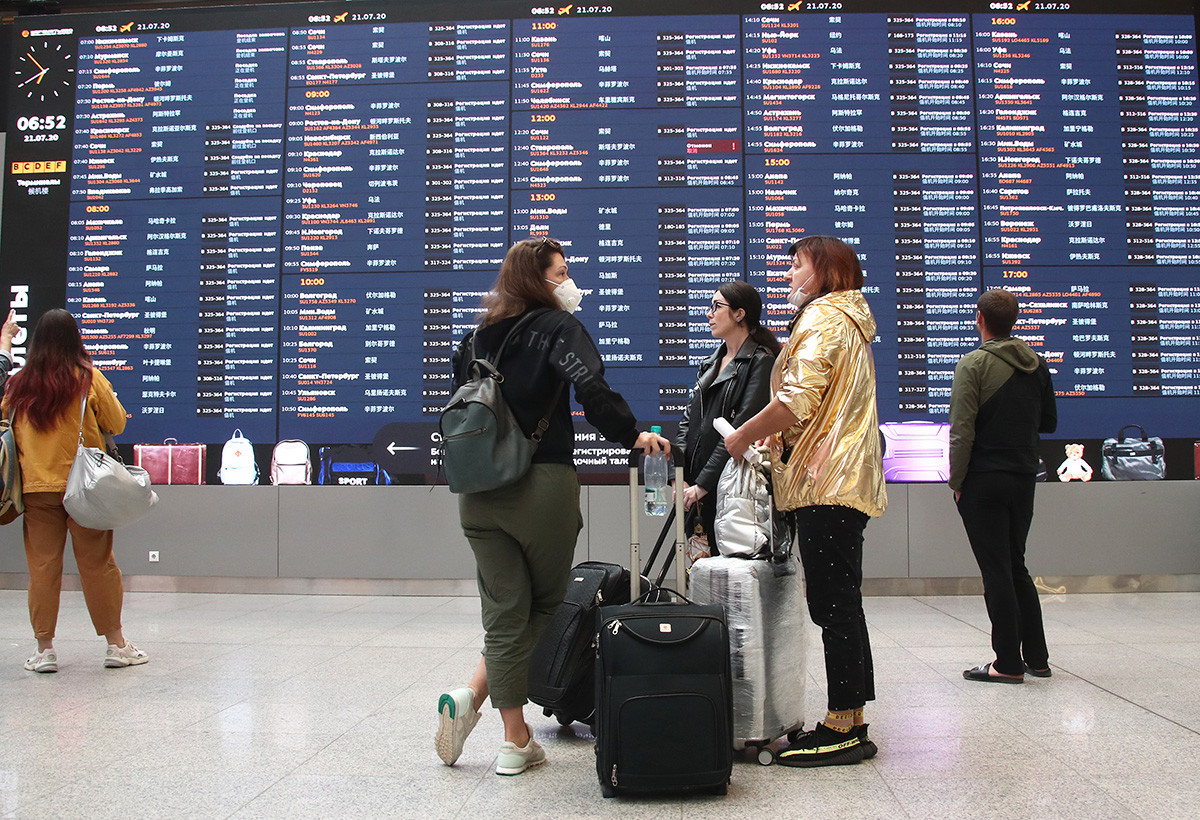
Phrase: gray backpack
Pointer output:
(483, 447)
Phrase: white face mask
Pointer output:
(568, 295)
(801, 293)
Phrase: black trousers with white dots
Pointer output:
(830, 540)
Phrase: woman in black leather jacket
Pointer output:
(734, 382)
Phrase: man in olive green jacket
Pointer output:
(1001, 399)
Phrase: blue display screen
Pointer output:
(281, 219)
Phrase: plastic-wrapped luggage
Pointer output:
(764, 608)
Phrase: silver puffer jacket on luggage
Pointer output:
(747, 525)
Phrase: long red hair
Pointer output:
(57, 372)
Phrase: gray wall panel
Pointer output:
(885, 542)
(12, 548)
(1099, 529)
(206, 531)
(215, 531)
(609, 518)
(1116, 528)
(371, 532)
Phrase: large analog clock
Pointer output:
(46, 71)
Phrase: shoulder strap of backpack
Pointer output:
(512, 331)
(490, 363)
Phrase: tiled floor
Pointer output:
(291, 706)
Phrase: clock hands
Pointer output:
(36, 77)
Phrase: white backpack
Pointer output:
(237, 461)
(290, 463)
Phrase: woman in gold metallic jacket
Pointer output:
(828, 471)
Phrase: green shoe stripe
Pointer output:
(446, 699)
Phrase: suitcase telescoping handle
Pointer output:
(635, 507)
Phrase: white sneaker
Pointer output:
(44, 661)
(127, 655)
(515, 759)
(456, 718)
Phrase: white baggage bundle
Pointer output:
(765, 610)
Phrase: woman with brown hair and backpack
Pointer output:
(523, 534)
(46, 400)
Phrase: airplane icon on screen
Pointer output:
(566, 9)
(795, 6)
(341, 18)
(1023, 6)
(128, 26)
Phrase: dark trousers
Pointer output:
(830, 540)
(997, 509)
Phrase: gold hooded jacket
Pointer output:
(825, 375)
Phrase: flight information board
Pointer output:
(280, 219)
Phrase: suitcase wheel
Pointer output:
(563, 720)
(607, 791)
(766, 755)
(721, 790)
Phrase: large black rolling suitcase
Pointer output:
(664, 720)
(562, 668)
(562, 677)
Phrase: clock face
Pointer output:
(46, 71)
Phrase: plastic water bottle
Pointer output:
(656, 469)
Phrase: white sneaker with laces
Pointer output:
(44, 661)
(456, 718)
(127, 655)
(515, 759)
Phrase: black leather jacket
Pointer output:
(552, 350)
(737, 393)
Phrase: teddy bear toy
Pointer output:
(1074, 467)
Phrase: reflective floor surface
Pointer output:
(296, 706)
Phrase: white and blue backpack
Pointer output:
(237, 461)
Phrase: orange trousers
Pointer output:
(46, 527)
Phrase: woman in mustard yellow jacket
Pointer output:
(827, 467)
(45, 399)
